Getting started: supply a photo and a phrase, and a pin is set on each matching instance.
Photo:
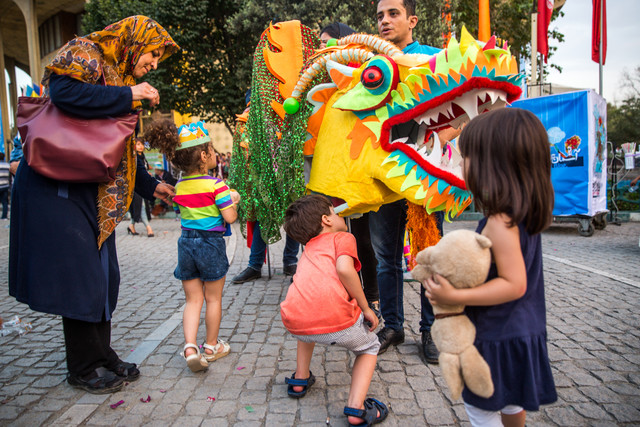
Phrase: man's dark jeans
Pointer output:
(387, 237)
(258, 248)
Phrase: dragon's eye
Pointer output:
(372, 77)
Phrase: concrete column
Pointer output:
(4, 104)
(10, 65)
(28, 8)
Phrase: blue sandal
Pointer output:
(306, 383)
(369, 414)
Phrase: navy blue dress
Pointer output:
(54, 262)
(512, 338)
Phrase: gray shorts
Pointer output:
(356, 338)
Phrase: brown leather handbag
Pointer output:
(69, 148)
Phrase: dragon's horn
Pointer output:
(373, 42)
(342, 56)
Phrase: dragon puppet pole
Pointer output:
(484, 21)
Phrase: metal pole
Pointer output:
(600, 50)
(534, 51)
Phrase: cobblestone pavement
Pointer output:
(593, 302)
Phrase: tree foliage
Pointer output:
(623, 121)
(510, 20)
(210, 75)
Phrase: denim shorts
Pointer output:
(201, 255)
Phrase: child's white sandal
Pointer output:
(196, 362)
(219, 350)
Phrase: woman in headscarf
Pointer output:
(62, 256)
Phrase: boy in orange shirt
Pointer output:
(325, 304)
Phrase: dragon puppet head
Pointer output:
(374, 128)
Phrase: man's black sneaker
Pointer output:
(388, 337)
(248, 275)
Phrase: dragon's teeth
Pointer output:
(469, 105)
(402, 140)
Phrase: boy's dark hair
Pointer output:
(303, 218)
(163, 135)
(409, 6)
(1, 157)
(509, 166)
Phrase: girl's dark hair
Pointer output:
(338, 30)
(508, 166)
(303, 218)
(163, 135)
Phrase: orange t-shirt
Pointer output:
(317, 301)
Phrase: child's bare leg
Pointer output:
(361, 376)
(303, 361)
(191, 316)
(514, 420)
(213, 312)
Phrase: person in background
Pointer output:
(62, 250)
(16, 155)
(139, 209)
(337, 30)
(359, 227)
(396, 20)
(5, 183)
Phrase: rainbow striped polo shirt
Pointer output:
(201, 198)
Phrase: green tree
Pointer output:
(218, 38)
(623, 121)
(510, 20)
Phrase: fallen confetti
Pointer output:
(163, 391)
(211, 399)
(115, 405)
(240, 368)
(248, 408)
(147, 400)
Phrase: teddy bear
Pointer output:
(463, 258)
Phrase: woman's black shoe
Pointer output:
(100, 381)
(128, 371)
(129, 231)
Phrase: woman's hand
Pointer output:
(145, 91)
(164, 192)
(440, 291)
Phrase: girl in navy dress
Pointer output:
(507, 167)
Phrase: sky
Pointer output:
(574, 54)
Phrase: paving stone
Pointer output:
(622, 412)
(593, 342)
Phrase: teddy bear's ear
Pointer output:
(483, 241)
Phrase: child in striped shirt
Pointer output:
(206, 204)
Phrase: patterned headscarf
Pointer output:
(109, 57)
